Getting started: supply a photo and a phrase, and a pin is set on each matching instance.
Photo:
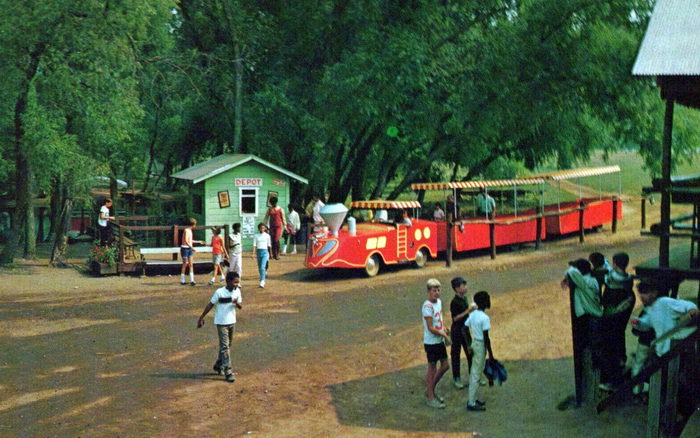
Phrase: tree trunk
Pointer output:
(23, 170)
(238, 104)
(61, 241)
(30, 223)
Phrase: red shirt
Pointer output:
(217, 245)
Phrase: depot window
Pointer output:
(248, 202)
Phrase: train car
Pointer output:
(563, 217)
(473, 233)
(370, 245)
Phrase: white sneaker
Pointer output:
(262, 284)
(211, 282)
(294, 252)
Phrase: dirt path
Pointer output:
(323, 353)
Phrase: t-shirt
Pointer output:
(586, 293)
(479, 322)
(317, 211)
(235, 239)
(485, 202)
(439, 215)
(262, 241)
(293, 220)
(663, 316)
(104, 210)
(225, 310)
(381, 216)
(458, 305)
(433, 310)
(217, 245)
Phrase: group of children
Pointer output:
(603, 303)
(262, 249)
(470, 332)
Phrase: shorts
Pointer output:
(185, 253)
(217, 259)
(435, 352)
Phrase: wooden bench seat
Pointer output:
(201, 264)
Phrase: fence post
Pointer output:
(538, 239)
(176, 240)
(644, 212)
(449, 228)
(654, 408)
(614, 213)
(581, 207)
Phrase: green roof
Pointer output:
(222, 163)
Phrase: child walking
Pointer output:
(218, 252)
(226, 300)
(262, 247)
(434, 337)
(461, 339)
(236, 250)
(480, 324)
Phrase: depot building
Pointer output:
(234, 188)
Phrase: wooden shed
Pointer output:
(234, 188)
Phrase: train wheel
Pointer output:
(421, 258)
(372, 266)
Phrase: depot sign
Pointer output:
(248, 182)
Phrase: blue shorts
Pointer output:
(186, 253)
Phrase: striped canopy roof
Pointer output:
(578, 173)
(379, 204)
(477, 184)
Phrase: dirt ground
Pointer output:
(323, 353)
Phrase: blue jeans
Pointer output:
(263, 257)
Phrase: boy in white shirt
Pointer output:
(663, 314)
(236, 250)
(434, 337)
(480, 324)
(226, 300)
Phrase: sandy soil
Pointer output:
(324, 353)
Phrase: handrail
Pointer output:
(655, 366)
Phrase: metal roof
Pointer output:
(671, 45)
(578, 173)
(381, 204)
(205, 170)
(476, 184)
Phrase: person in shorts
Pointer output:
(187, 252)
(218, 252)
(434, 336)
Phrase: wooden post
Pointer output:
(578, 350)
(176, 240)
(538, 239)
(492, 238)
(122, 252)
(671, 394)
(644, 212)
(614, 214)
(449, 228)
(654, 408)
(664, 239)
(581, 233)
(226, 240)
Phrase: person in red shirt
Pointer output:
(218, 252)
(277, 224)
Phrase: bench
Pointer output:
(171, 250)
(129, 246)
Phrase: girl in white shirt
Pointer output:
(262, 246)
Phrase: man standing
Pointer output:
(105, 232)
(486, 204)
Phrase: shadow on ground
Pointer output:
(522, 406)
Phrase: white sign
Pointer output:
(247, 226)
(248, 182)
